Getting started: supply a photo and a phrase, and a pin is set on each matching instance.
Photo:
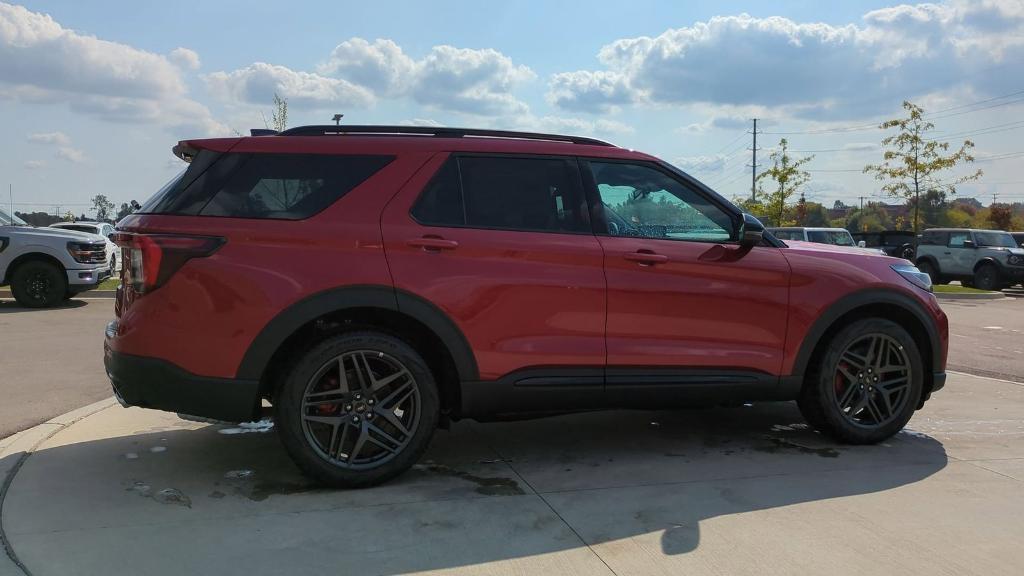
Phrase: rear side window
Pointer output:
(931, 238)
(507, 193)
(281, 186)
(957, 239)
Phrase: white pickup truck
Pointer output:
(45, 266)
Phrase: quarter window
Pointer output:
(641, 201)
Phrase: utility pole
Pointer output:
(753, 166)
(861, 202)
(994, 197)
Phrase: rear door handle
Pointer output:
(645, 258)
(432, 244)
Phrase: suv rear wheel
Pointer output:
(357, 409)
(38, 284)
(987, 277)
(867, 384)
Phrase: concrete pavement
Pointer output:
(747, 490)
(51, 360)
(987, 337)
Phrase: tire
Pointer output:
(907, 252)
(833, 401)
(340, 441)
(929, 269)
(987, 277)
(39, 284)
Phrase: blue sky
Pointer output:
(93, 94)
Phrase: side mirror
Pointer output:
(751, 231)
(969, 244)
(862, 244)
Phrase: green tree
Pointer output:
(125, 209)
(102, 207)
(914, 163)
(279, 115)
(786, 176)
(1001, 216)
(817, 215)
(872, 218)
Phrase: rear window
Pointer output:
(279, 186)
(788, 234)
(933, 238)
(87, 229)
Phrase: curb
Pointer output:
(15, 450)
(86, 294)
(969, 296)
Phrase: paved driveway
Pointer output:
(746, 490)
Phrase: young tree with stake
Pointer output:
(914, 163)
(787, 176)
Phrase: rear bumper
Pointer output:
(160, 385)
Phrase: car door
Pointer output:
(503, 246)
(687, 307)
(958, 254)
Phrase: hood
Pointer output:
(53, 233)
(832, 249)
(1017, 251)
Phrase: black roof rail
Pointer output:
(440, 132)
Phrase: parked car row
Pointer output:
(984, 259)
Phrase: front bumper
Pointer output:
(87, 277)
(1015, 273)
(154, 383)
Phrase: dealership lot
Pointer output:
(741, 490)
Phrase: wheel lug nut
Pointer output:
(369, 416)
(370, 401)
(348, 407)
(355, 418)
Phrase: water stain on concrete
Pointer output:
(781, 444)
(171, 496)
(490, 486)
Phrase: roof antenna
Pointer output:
(337, 119)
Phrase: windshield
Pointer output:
(995, 239)
(8, 219)
(834, 237)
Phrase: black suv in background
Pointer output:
(898, 243)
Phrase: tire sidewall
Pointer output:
(289, 397)
(58, 284)
(993, 275)
(834, 420)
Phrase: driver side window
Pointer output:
(640, 201)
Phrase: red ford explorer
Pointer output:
(371, 282)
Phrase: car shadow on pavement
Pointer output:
(483, 492)
(12, 307)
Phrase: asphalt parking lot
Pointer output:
(745, 490)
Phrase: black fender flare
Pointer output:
(929, 259)
(861, 299)
(282, 326)
(988, 260)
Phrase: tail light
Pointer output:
(151, 259)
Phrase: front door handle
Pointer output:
(432, 244)
(645, 257)
(947, 253)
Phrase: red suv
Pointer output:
(375, 282)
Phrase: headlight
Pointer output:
(911, 274)
(1016, 260)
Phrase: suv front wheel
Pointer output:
(867, 383)
(987, 277)
(357, 409)
(39, 284)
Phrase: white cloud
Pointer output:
(185, 58)
(57, 138)
(702, 164)
(473, 81)
(258, 82)
(380, 66)
(34, 164)
(594, 92)
(811, 69)
(43, 62)
(71, 154)
(358, 72)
